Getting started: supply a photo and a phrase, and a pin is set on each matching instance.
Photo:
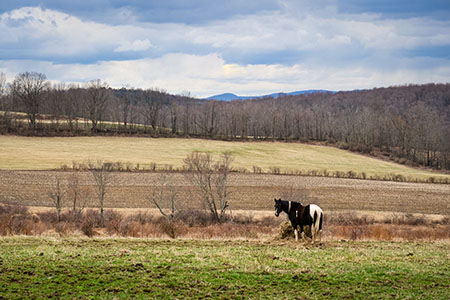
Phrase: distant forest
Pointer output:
(409, 124)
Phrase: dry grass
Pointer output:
(35, 153)
(19, 220)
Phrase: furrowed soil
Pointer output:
(47, 268)
(249, 192)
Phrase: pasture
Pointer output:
(220, 261)
(35, 153)
(187, 269)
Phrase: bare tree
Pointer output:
(212, 180)
(164, 196)
(73, 106)
(28, 89)
(56, 101)
(2, 85)
(57, 195)
(77, 195)
(101, 172)
(152, 101)
(173, 108)
(96, 100)
(208, 119)
(4, 103)
(124, 104)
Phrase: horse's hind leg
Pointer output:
(296, 234)
(313, 234)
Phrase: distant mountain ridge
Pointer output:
(231, 97)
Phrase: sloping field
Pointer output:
(249, 192)
(33, 153)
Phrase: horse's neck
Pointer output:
(288, 206)
(292, 205)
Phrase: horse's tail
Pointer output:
(320, 221)
(317, 218)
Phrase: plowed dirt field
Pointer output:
(248, 191)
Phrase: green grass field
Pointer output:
(34, 153)
(38, 268)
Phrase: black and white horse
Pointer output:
(299, 215)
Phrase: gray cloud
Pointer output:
(279, 45)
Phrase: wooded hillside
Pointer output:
(410, 124)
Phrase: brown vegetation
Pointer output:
(18, 220)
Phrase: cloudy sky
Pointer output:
(249, 47)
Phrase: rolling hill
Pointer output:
(231, 96)
(35, 153)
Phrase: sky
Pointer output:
(208, 47)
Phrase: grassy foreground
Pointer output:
(35, 153)
(155, 269)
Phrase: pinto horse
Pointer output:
(299, 215)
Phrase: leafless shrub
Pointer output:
(113, 222)
(348, 218)
(406, 219)
(87, 227)
(57, 195)
(269, 222)
(168, 228)
(166, 194)
(19, 224)
(48, 217)
(257, 170)
(141, 217)
(63, 228)
(131, 228)
(94, 216)
(212, 180)
(445, 220)
(77, 196)
(193, 217)
(13, 209)
(275, 170)
(101, 172)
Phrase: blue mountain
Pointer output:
(230, 96)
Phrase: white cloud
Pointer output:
(137, 45)
(209, 74)
(328, 50)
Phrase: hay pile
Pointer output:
(287, 232)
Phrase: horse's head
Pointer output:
(278, 208)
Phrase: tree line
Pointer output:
(410, 123)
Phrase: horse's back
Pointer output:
(314, 208)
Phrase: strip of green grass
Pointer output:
(33, 153)
(157, 269)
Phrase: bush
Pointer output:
(192, 217)
(13, 209)
(87, 227)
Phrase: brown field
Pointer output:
(249, 192)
